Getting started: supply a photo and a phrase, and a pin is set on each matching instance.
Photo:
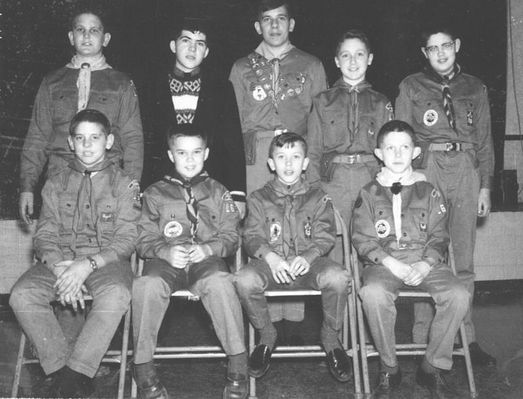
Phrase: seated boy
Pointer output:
(399, 228)
(189, 223)
(289, 229)
(83, 241)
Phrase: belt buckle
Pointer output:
(351, 158)
(450, 146)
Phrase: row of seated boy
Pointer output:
(92, 220)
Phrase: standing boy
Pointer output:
(343, 125)
(191, 93)
(189, 224)
(274, 88)
(288, 231)
(85, 82)
(83, 241)
(449, 111)
(399, 228)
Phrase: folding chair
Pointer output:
(185, 352)
(111, 356)
(368, 350)
(309, 351)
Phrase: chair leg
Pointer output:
(252, 380)
(19, 364)
(352, 323)
(123, 354)
(468, 361)
(363, 347)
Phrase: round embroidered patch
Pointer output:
(430, 117)
(172, 229)
(274, 231)
(382, 228)
(259, 94)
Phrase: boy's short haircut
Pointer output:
(287, 138)
(98, 12)
(395, 126)
(434, 29)
(354, 34)
(267, 5)
(185, 130)
(93, 116)
(192, 25)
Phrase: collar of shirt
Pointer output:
(267, 52)
(282, 189)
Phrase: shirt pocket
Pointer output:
(335, 130)
(108, 103)
(64, 106)
(107, 216)
(368, 129)
(415, 224)
(465, 110)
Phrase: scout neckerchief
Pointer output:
(85, 194)
(444, 81)
(86, 65)
(191, 204)
(354, 118)
(388, 179)
(185, 90)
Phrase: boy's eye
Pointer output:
(282, 18)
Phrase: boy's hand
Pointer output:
(74, 301)
(177, 256)
(25, 204)
(484, 202)
(70, 282)
(399, 269)
(299, 266)
(279, 268)
(60, 267)
(197, 253)
(420, 270)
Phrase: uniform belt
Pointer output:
(450, 146)
(353, 158)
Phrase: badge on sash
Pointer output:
(259, 94)
(274, 231)
(382, 228)
(470, 114)
(430, 117)
(307, 229)
(172, 229)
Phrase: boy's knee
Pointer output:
(335, 278)
(218, 282)
(247, 280)
(117, 296)
(460, 297)
(373, 293)
(149, 286)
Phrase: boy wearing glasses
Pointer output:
(449, 111)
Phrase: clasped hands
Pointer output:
(412, 274)
(179, 256)
(69, 286)
(282, 271)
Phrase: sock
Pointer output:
(238, 363)
(329, 339)
(268, 335)
(144, 373)
(427, 367)
(390, 370)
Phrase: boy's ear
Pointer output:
(416, 152)
(172, 46)
(337, 62)
(71, 37)
(379, 153)
(110, 141)
(206, 52)
(271, 164)
(70, 141)
(257, 27)
(305, 164)
(206, 154)
(424, 52)
(292, 23)
(371, 57)
(107, 39)
(457, 44)
(171, 156)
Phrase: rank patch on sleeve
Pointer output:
(230, 206)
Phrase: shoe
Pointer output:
(386, 384)
(148, 383)
(339, 365)
(237, 386)
(479, 357)
(72, 384)
(436, 384)
(259, 361)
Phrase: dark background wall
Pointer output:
(34, 42)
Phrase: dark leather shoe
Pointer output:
(339, 365)
(237, 386)
(149, 385)
(386, 384)
(479, 357)
(436, 384)
(259, 361)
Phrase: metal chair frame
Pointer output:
(411, 349)
(314, 351)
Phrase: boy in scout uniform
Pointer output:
(399, 228)
(449, 111)
(189, 224)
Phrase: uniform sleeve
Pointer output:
(437, 230)
(47, 238)
(131, 132)
(319, 81)
(125, 232)
(34, 155)
(239, 91)
(227, 239)
(315, 142)
(364, 236)
(403, 106)
(485, 146)
(324, 230)
(150, 239)
(255, 239)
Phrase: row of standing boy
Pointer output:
(275, 87)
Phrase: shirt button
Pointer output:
(87, 206)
